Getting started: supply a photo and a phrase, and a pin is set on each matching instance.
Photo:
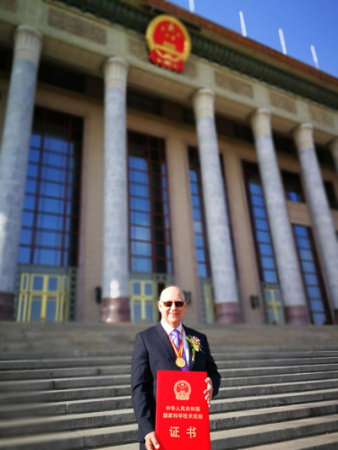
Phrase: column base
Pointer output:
(6, 306)
(297, 315)
(115, 310)
(227, 313)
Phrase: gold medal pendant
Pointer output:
(180, 362)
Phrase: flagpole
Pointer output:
(243, 27)
(314, 56)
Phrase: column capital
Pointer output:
(261, 122)
(203, 103)
(115, 73)
(303, 136)
(28, 43)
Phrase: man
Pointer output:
(155, 350)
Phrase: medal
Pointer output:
(180, 362)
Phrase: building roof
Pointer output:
(223, 46)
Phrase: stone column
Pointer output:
(115, 295)
(223, 273)
(334, 151)
(296, 311)
(319, 207)
(14, 157)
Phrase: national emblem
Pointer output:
(169, 42)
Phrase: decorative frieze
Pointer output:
(282, 102)
(77, 26)
(9, 5)
(320, 116)
(233, 84)
(138, 49)
(190, 69)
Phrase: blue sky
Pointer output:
(304, 23)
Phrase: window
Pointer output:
(260, 225)
(201, 244)
(325, 157)
(144, 103)
(62, 77)
(50, 222)
(149, 227)
(330, 194)
(198, 213)
(284, 144)
(228, 216)
(293, 186)
(311, 276)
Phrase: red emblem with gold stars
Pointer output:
(169, 42)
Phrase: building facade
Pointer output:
(120, 175)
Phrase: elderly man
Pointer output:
(160, 348)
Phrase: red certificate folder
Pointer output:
(182, 413)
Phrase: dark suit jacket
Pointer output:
(153, 352)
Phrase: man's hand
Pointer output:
(151, 441)
(208, 391)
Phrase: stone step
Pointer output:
(8, 411)
(241, 438)
(54, 424)
(224, 361)
(257, 371)
(35, 374)
(64, 383)
(277, 388)
(71, 440)
(65, 372)
(54, 363)
(68, 407)
(59, 392)
(262, 354)
(64, 394)
(277, 378)
(248, 363)
(218, 421)
(238, 438)
(327, 441)
(113, 380)
(94, 338)
(272, 400)
(320, 442)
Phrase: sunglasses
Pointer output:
(177, 304)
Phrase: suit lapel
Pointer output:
(163, 337)
(191, 362)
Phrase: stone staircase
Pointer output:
(67, 386)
